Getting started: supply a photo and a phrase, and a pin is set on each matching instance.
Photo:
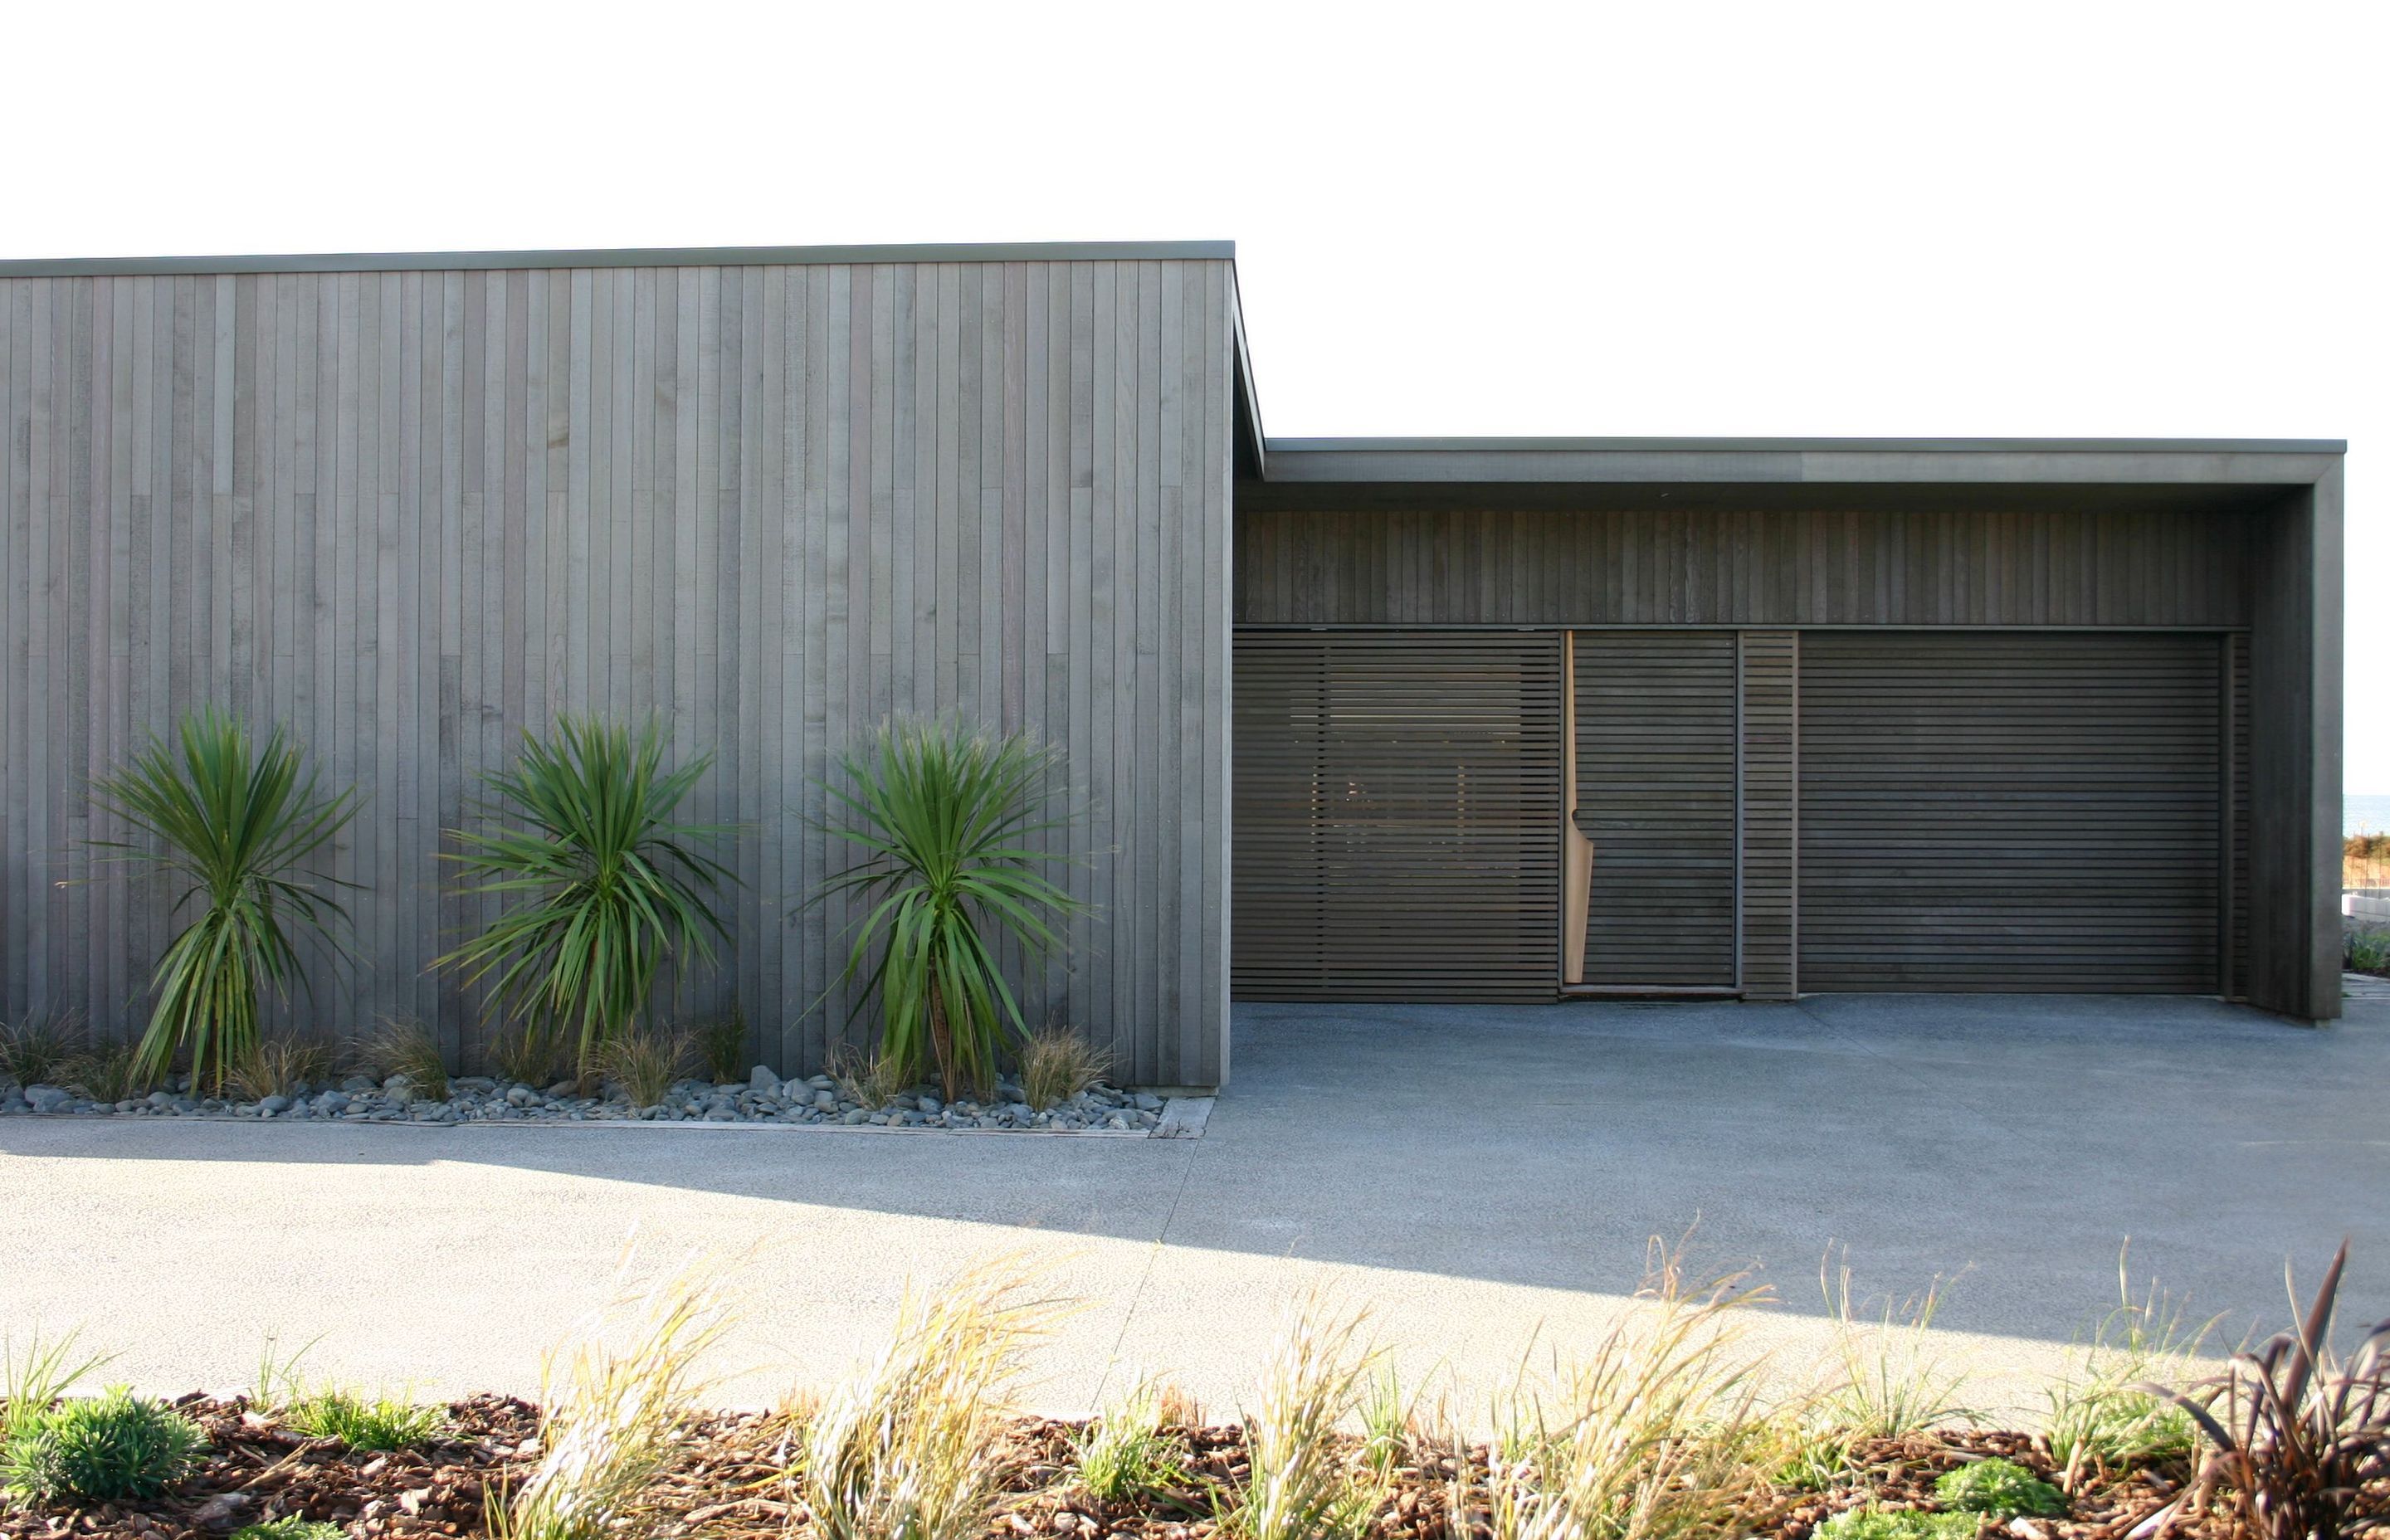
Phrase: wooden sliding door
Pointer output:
(1396, 811)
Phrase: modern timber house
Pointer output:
(1348, 720)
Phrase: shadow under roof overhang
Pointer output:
(1784, 473)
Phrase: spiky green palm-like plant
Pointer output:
(234, 824)
(602, 886)
(948, 817)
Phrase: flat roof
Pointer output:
(633, 256)
(1812, 445)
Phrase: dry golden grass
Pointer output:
(279, 1063)
(613, 1398)
(1056, 1064)
(906, 1446)
(645, 1064)
(1304, 1484)
(400, 1047)
(1656, 1434)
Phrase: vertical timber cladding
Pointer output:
(2006, 810)
(1396, 815)
(1656, 773)
(413, 513)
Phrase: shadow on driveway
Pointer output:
(2012, 1141)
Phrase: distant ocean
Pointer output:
(2364, 815)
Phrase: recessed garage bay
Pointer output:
(1526, 813)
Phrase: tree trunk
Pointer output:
(942, 1042)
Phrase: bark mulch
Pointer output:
(725, 1484)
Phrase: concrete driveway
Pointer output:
(1473, 1176)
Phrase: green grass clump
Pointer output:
(1882, 1523)
(291, 1527)
(1124, 1453)
(362, 1422)
(117, 1445)
(2002, 1488)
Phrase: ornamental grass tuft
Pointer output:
(1129, 1451)
(290, 1526)
(408, 1048)
(108, 1075)
(357, 1421)
(2100, 1420)
(1056, 1064)
(1655, 1434)
(613, 1407)
(906, 1446)
(37, 1047)
(646, 1063)
(1890, 1381)
(1304, 1485)
(279, 1065)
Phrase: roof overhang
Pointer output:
(1802, 462)
(633, 256)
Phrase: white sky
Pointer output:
(1487, 218)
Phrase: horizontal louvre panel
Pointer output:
(1396, 812)
(1770, 729)
(1655, 770)
(2009, 812)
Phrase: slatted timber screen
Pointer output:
(2236, 813)
(2014, 811)
(1769, 661)
(1655, 741)
(1396, 816)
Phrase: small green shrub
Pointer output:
(2002, 1488)
(362, 1422)
(291, 1527)
(115, 1446)
(1883, 1523)
(2366, 948)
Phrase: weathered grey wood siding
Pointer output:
(2294, 725)
(412, 513)
(1926, 565)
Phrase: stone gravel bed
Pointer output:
(763, 1098)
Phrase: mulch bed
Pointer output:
(724, 1484)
